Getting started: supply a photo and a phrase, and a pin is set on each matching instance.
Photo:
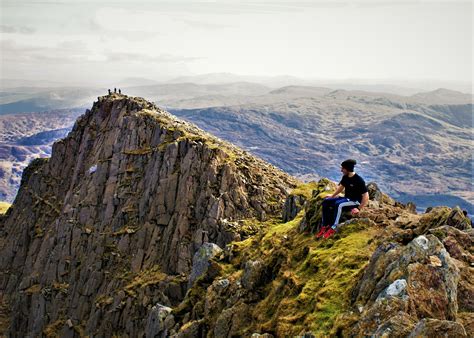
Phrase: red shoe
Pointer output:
(329, 233)
(322, 231)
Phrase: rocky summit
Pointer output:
(143, 225)
(108, 226)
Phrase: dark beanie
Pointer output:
(349, 164)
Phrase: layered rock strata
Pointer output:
(107, 227)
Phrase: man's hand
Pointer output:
(354, 211)
(339, 189)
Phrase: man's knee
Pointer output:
(340, 201)
(327, 202)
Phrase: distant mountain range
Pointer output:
(415, 145)
(406, 144)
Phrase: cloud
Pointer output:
(77, 51)
(143, 58)
(63, 52)
(8, 29)
(206, 25)
(105, 34)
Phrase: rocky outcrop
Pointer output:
(438, 328)
(107, 227)
(313, 208)
(419, 288)
(377, 276)
(157, 321)
(293, 205)
(419, 279)
(201, 260)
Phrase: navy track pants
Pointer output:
(332, 209)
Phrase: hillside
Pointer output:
(388, 272)
(143, 224)
(411, 148)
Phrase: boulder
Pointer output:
(375, 194)
(293, 205)
(201, 260)
(155, 323)
(438, 328)
(417, 280)
(440, 216)
(253, 274)
(232, 321)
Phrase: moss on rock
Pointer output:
(292, 282)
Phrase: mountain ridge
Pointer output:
(126, 170)
(142, 224)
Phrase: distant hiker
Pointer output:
(115, 90)
(110, 92)
(356, 195)
(120, 92)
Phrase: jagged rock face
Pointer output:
(125, 200)
(293, 205)
(423, 288)
(419, 279)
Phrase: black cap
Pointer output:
(349, 164)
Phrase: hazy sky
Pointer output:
(82, 41)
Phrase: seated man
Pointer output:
(356, 196)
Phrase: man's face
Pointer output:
(344, 171)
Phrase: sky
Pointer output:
(93, 41)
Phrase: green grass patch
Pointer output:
(280, 228)
(144, 278)
(313, 288)
(305, 189)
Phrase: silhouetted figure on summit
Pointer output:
(120, 92)
(115, 90)
(110, 92)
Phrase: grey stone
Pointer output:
(397, 288)
(155, 323)
(438, 328)
(293, 205)
(201, 260)
(422, 242)
(252, 275)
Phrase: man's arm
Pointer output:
(339, 189)
(363, 204)
(365, 200)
